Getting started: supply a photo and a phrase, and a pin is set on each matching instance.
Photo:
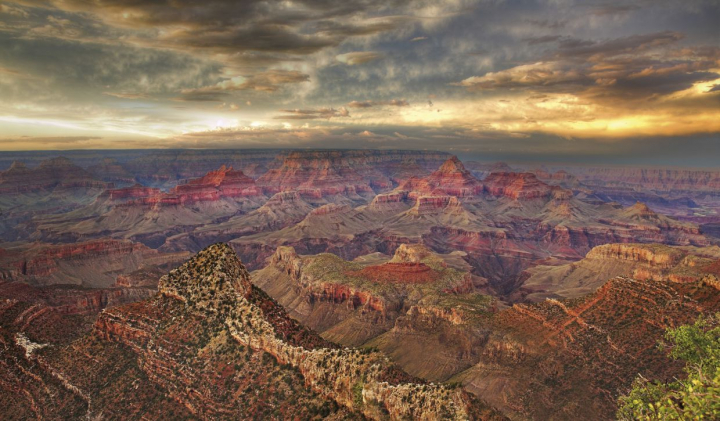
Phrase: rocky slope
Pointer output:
(639, 261)
(54, 186)
(571, 359)
(148, 215)
(505, 224)
(211, 345)
(56, 173)
(561, 359)
(371, 299)
(91, 264)
(451, 179)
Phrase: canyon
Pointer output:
(434, 287)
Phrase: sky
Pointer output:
(561, 79)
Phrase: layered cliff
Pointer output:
(520, 186)
(215, 285)
(93, 263)
(369, 300)
(639, 261)
(451, 179)
(55, 173)
(317, 174)
(570, 359)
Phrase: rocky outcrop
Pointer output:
(653, 262)
(137, 192)
(214, 284)
(428, 205)
(317, 174)
(451, 179)
(654, 255)
(520, 186)
(91, 263)
(224, 182)
(389, 202)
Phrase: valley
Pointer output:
(343, 284)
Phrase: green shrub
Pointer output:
(698, 396)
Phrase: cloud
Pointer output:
(127, 95)
(311, 114)
(13, 10)
(542, 40)
(48, 142)
(269, 81)
(368, 104)
(614, 9)
(200, 95)
(634, 69)
(359, 57)
(633, 44)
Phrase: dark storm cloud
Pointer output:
(634, 68)
(302, 27)
(544, 76)
(542, 40)
(625, 45)
(614, 9)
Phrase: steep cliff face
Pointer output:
(208, 345)
(519, 186)
(570, 359)
(69, 300)
(451, 179)
(55, 173)
(384, 303)
(92, 263)
(319, 174)
(640, 261)
(222, 183)
(215, 285)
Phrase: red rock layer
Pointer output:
(404, 273)
(215, 185)
(518, 186)
(451, 179)
(44, 262)
(319, 174)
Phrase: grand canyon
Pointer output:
(360, 210)
(344, 284)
